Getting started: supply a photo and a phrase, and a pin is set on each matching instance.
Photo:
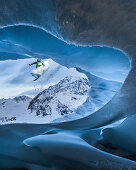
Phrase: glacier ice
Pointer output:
(104, 23)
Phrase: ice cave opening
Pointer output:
(97, 72)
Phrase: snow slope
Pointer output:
(15, 110)
(16, 78)
(52, 103)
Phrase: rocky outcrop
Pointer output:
(62, 98)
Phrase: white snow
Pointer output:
(16, 78)
(64, 100)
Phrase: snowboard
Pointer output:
(37, 73)
(37, 78)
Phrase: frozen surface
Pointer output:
(89, 141)
(122, 136)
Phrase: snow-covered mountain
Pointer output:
(62, 98)
(14, 110)
(16, 78)
(68, 99)
(52, 103)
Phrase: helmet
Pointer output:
(39, 60)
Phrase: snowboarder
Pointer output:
(38, 63)
(37, 73)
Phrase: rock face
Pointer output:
(22, 98)
(62, 98)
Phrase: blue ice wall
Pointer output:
(27, 41)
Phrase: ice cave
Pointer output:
(79, 114)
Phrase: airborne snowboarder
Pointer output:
(37, 73)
